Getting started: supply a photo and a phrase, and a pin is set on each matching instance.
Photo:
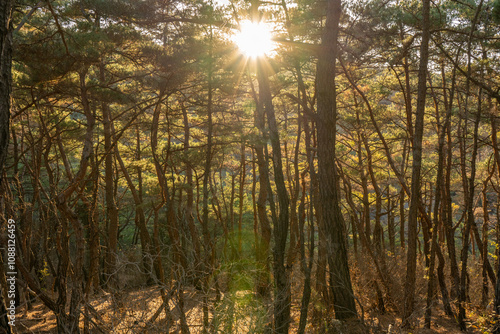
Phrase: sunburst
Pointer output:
(254, 39)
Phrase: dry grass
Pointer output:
(240, 312)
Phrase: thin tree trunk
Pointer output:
(447, 210)
(469, 187)
(468, 183)
(207, 243)
(486, 222)
(390, 223)
(193, 231)
(241, 194)
(111, 208)
(402, 219)
(306, 267)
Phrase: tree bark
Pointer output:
(6, 7)
(190, 186)
(411, 258)
(280, 231)
(111, 208)
(341, 287)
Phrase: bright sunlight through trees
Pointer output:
(254, 39)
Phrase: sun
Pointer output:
(254, 39)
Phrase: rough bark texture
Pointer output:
(5, 90)
(5, 76)
(340, 280)
(111, 208)
(280, 231)
(411, 264)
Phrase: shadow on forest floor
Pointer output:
(130, 314)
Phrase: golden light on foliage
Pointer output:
(254, 39)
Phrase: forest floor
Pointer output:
(136, 307)
(236, 309)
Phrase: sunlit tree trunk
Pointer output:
(207, 243)
(281, 224)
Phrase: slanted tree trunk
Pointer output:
(340, 280)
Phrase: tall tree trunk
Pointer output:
(411, 259)
(468, 182)
(341, 287)
(469, 188)
(280, 231)
(306, 266)
(140, 220)
(193, 231)
(486, 222)
(438, 220)
(390, 223)
(167, 199)
(4, 318)
(70, 323)
(6, 7)
(496, 153)
(241, 194)
(263, 239)
(93, 232)
(111, 208)
(207, 244)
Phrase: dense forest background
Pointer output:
(163, 181)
